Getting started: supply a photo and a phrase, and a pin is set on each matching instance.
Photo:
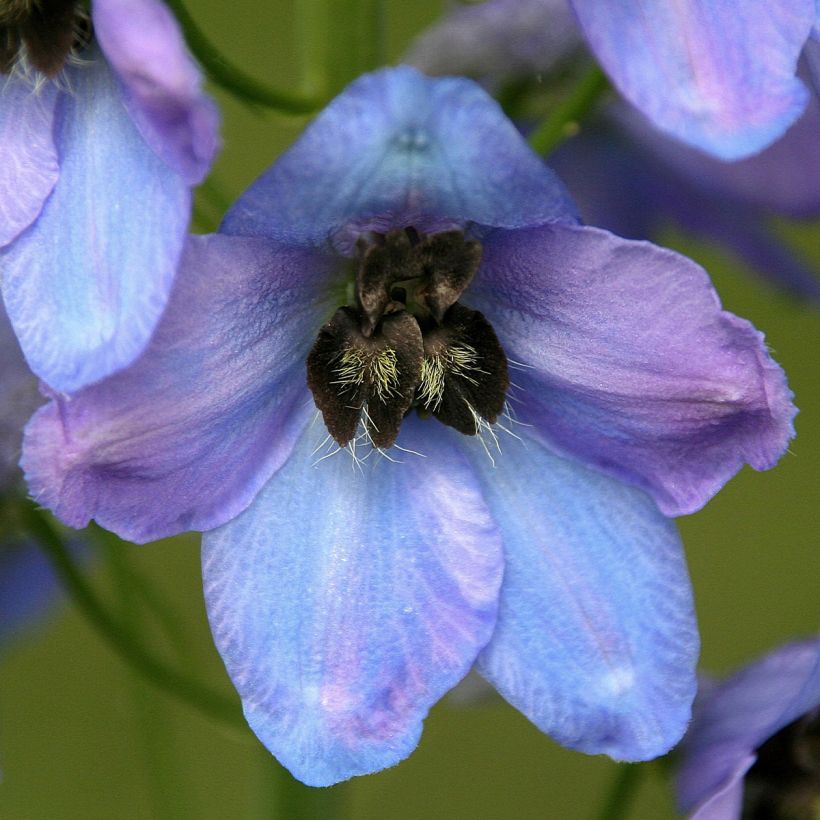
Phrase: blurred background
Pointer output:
(82, 736)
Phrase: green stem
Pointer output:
(622, 792)
(232, 78)
(118, 637)
(139, 590)
(586, 93)
(355, 41)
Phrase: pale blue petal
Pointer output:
(716, 74)
(86, 284)
(348, 599)
(407, 149)
(596, 640)
(28, 156)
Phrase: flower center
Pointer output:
(407, 342)
(784, 783)
(44, 32)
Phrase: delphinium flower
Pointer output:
(717, 75)
(510, 405)
(103, 130)
(26, 582)
(626, 176)
(752, 750)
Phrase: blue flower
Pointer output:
(751, 748)
(421, 262)
(96, 167)
(719, 76)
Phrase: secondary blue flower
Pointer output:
(718, 75)
(347, 594)
(751, 750)
(96, 167)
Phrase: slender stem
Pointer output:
(354, 43)
(119, 637)
(554, 128)
(622, 792)
(232, 78)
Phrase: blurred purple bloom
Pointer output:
(634, 182)
(27, 584)
(756, 732)
(96, 167)
(718, 75)
(347, 595)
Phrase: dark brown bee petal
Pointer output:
(353, 376)
(393, 260)
(464, 375)
(450, 262)
(386, 408)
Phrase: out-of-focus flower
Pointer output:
(626, 176)
(348, 593)
(752, 749)
(101, 140)
(717, 75)
(499, 41)
(26, 581)
(633, 181)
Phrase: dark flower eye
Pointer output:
(407, 343)
(47, 31)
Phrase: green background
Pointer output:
(82, 737)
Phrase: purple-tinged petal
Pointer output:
(163, 92)
(498, 41)
(628, 363)
(19, 398)
(811, 54)
(403, 148)
(727, 800)
(775, 179)
(28, 156)
(186, 437)
(732, 719)
(596, 640)
(715, 74)
(85, 285)
(347, 600)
